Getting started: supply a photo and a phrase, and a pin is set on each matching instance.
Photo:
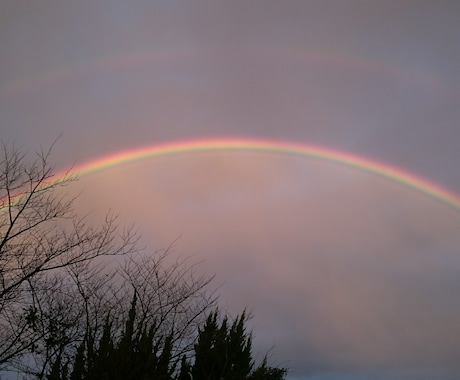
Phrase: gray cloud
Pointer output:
(341, 270)
(348, 275)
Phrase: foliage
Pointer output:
(138, 353)
(224, 351)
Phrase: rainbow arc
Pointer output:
(384, 170)
(390, 172)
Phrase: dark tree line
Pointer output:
(83, 302)
(222, 351)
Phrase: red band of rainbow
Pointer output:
(392, 173)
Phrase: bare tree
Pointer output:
(62, 280)
(40, 233)
(171, 294)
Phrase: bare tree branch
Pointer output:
(62, 280)
(40, 235)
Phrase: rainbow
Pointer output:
(143, 58)
(392, 173)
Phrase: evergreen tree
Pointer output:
(138, 354)
(225, 353)
(185, 370)
(264, 372)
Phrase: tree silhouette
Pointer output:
(224, 352)
(41, 236)
(80, 302)
(60, 284)
(138, 353)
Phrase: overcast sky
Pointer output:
(348, 275)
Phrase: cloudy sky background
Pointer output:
(348, 275)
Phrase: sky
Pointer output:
(349, 274)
